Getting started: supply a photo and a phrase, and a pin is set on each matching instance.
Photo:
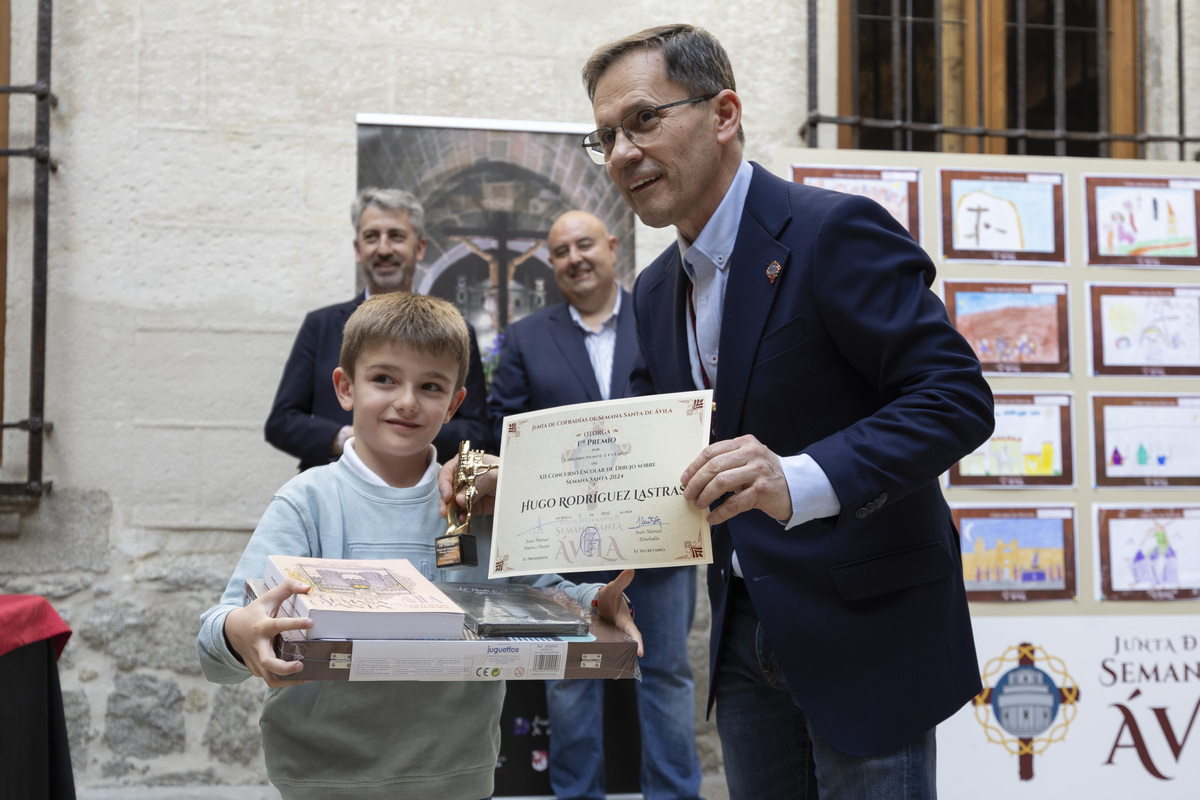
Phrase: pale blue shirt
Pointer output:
(706, 262)
(600, 344)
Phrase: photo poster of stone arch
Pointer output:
(1014, 327)
(1149, 330)
(491, 190)
(1031, 445)
(1005, 216)
(1149, 441)
(1018, 552)
(1147, 552)
(897, 190)
(1142, 221)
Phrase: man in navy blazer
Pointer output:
(306, 419)
(580, 351)
(841, 634)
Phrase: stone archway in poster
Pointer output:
(491, 190)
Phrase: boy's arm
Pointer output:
(250, 633)
(282, 529)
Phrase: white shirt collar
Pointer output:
(360, 469)
(578, 318)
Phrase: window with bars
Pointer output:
(34, 485)
(1041, 77)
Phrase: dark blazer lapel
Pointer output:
(326, 350)
(750, 293)
(569, 340)
(625, 350)
(664, 339)
(346, 309)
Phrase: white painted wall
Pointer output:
(207, 156)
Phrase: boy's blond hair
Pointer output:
(427, 324)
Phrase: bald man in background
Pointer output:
(579, 351)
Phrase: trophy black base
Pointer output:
(456, 550)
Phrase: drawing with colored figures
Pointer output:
(1010, 327)
(897, 190)
(1148, 441)
(1006, 554)
(1154, 554)
(1156, 330)
(1145, 221)
(1027, 441)
(891, 194)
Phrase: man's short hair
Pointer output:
(393, 199)
(694, 59)
(429, 325)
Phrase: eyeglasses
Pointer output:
(640, 126)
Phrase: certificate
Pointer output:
(595, 486)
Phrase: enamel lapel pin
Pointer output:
(773, 271)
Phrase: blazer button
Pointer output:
(882, 498)
(862, 513)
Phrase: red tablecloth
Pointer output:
(27, 618)
(35, 756)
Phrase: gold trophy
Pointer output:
(457, 547)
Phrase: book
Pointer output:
(514, 609)
(365, 599)
(605, 652)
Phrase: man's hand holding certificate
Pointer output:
(596, 486)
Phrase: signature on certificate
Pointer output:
(540, 527)
(648, 522)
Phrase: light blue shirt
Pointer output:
(706, 262)
(600, 344)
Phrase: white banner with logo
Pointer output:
(1085, 706)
